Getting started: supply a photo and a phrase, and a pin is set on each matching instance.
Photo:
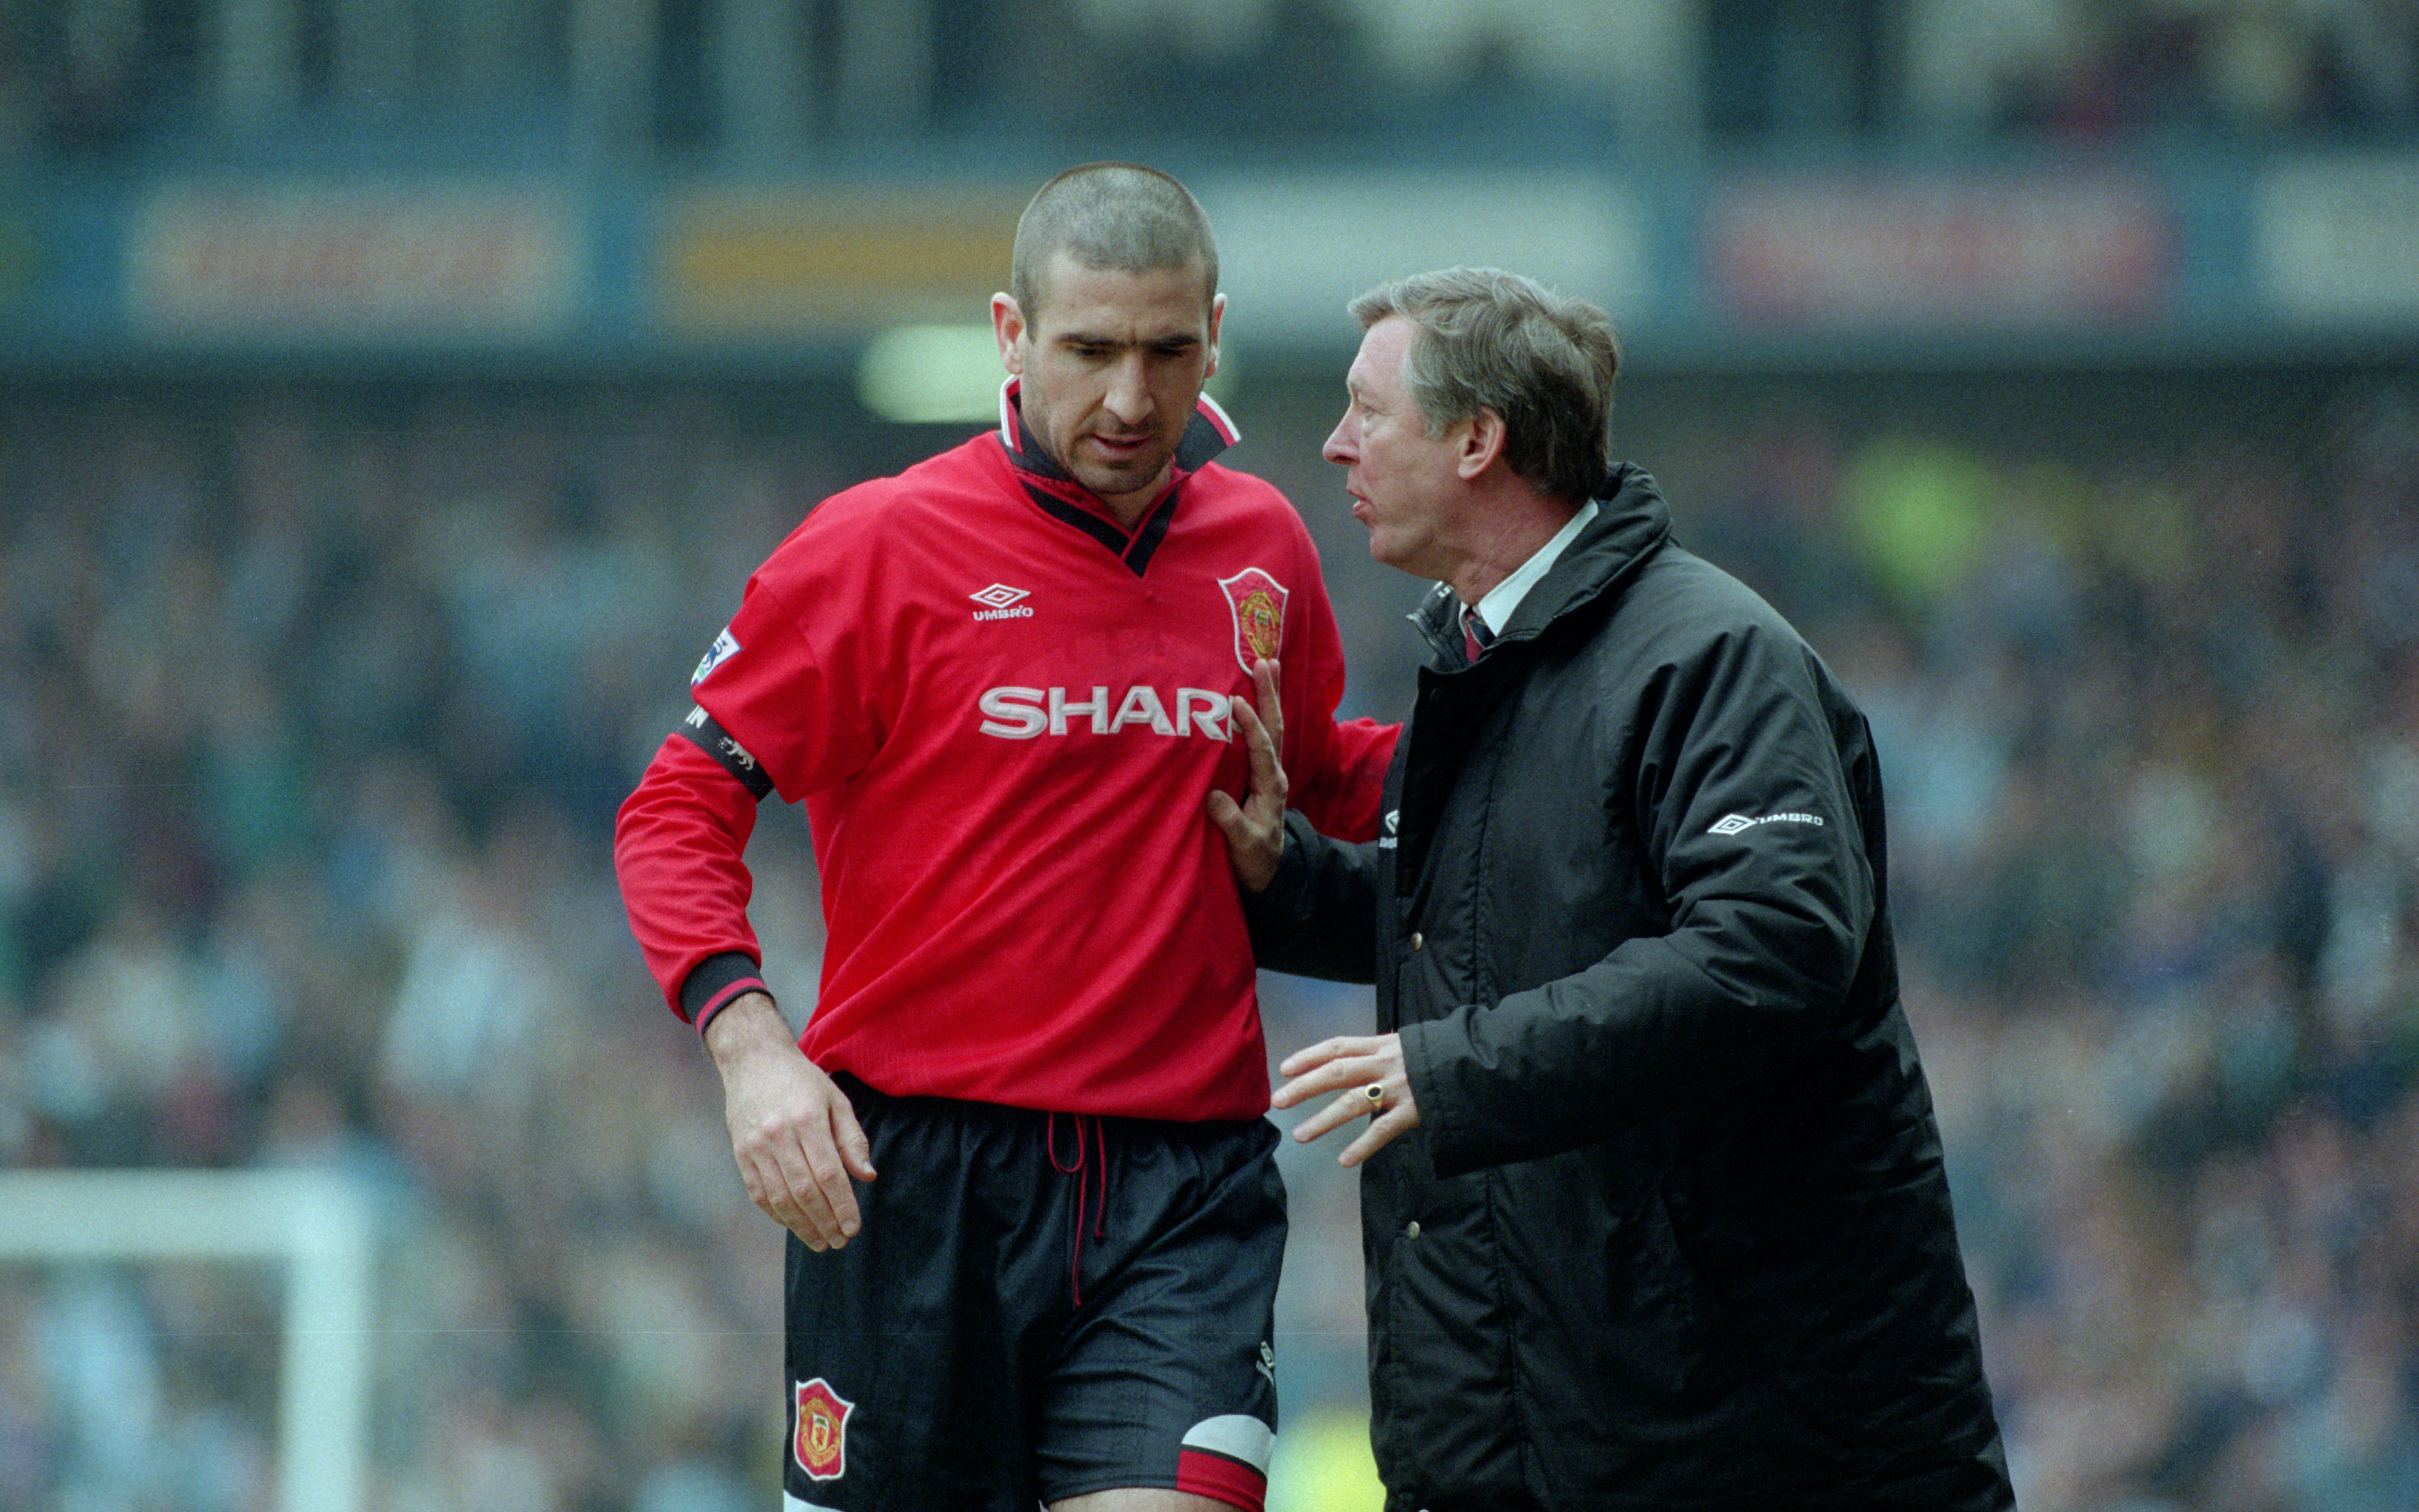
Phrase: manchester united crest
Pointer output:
(1259, 604)
(822, 1445)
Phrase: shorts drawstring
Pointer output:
(1080, 1171)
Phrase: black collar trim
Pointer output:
(1208, 433)
(1134, 551)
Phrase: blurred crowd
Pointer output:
(316, 713)
(2224, 68)
(85, 81)
(313, 733)
(2150, 725)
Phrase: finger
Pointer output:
(758, 1192)
(829, 1201)
(770, 1191)
(1331, 1053)
(1248, 852)
(1331, 1076)
(1335, 1116)
(1227, 814)
(787, 1170)
(1269, 782)
(1265, 677)
(759, 1172)
(1348, 1106)
(856, 1149)
(1382, 1131)
(1306, 1084)
(1310, 1056)
(797, 1205)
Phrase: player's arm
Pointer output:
(1342, 780)
(1338, 767)
(678, 848)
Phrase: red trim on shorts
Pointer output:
(1214, 1475)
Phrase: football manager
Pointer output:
(1652, 1204)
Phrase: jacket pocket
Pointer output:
(1441, 1343)
(1624, 1368)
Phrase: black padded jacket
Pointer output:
(1675, 1231)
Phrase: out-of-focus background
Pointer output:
(394, 395)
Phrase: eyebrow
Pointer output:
(1085, 338)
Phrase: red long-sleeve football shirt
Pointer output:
(1003, 712)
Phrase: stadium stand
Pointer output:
(325, 663)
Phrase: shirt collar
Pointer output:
(1211, 431)
(1495, 610)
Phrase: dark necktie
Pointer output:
(1475, 636)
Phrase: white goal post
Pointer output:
(316, 1226)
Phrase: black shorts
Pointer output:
(1037, 1305)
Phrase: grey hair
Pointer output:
(1118, 217)
(1492, 340)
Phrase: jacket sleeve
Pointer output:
(1751, 824)
(678, 848)
(1318, 916)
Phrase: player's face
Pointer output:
(1400, 476)
(1112, 364)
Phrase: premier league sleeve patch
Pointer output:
(1258, 601)
(726, 645)
(822, 1441)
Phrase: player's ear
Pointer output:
(1217, 313)
(1008, 329)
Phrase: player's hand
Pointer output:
(793, 1133)
(1254, 828)
(1351, 1066)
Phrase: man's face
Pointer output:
(1401, 478)
(1112, 364)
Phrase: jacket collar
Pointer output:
(1631, 523)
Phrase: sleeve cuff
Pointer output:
(1268, 911)
(716, 984)
(1423, 1043)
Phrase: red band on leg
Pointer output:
(1216, 1476)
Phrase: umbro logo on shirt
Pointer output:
(1733, 823)
(999, 602)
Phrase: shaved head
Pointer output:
(1112, 217)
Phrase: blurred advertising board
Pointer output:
(1294, 249)
(1920, 252)
(742, 264)
(2336, 241)
(347, 263)
(1811, 260)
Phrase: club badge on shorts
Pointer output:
(821, 1444)
(1259, 602)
